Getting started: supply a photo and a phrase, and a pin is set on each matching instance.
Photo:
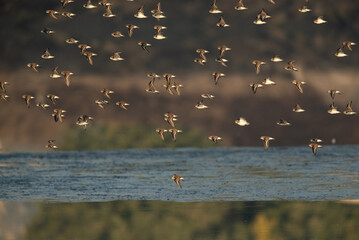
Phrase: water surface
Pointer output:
(211, 174)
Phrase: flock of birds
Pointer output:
(171, 86)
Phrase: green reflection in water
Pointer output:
(203, 220)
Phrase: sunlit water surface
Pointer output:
(211, 174)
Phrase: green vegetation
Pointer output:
(213, 220)
(116, 136)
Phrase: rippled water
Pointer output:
(211, 174)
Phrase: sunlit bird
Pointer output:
(107, 92)
(140, 13)
(257, 65)
(215, 139)
(58, 115)
(333, 92)
(27, 98)
(319, 20)
(68, 14)
(161, 132)
(340, 53)
(67, 75)
(266, 140)
(276, 58)
(298, 109)
(170, 118)
(290, 66)
(89, 5)
(117, 57)
(240, 6)
(52, 13)
(214, 8)
(200, 105)
(101, 103)
(52, 97)
(241, 122)
(222, 23)
(202, 53)
(117, 34)
(216, 76)
(42, 105)
(51, 144)
(207, 95)
(255, 86)
(71, 41)
(130, 28)
(283, 122)
(299, 84)
(108, 13)
(349, 110)
(267, 81)
(315, 147)
(33, 66)
(144, 45)
(176, 178)
(89, 56)
(174, 132)
(122, 104)
(83, 120)
(55, 73)
(349, 45)
(333, 109)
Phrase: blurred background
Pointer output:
(170, 220)
(290, 34)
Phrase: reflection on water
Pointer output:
(170, 220)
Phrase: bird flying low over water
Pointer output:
(266, 140)
(161, 132)
(315, 140)
(214, 139)
(51, 144)
(349, 110)
(176, 178)
(315, 147)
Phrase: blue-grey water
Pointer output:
(211, 174)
